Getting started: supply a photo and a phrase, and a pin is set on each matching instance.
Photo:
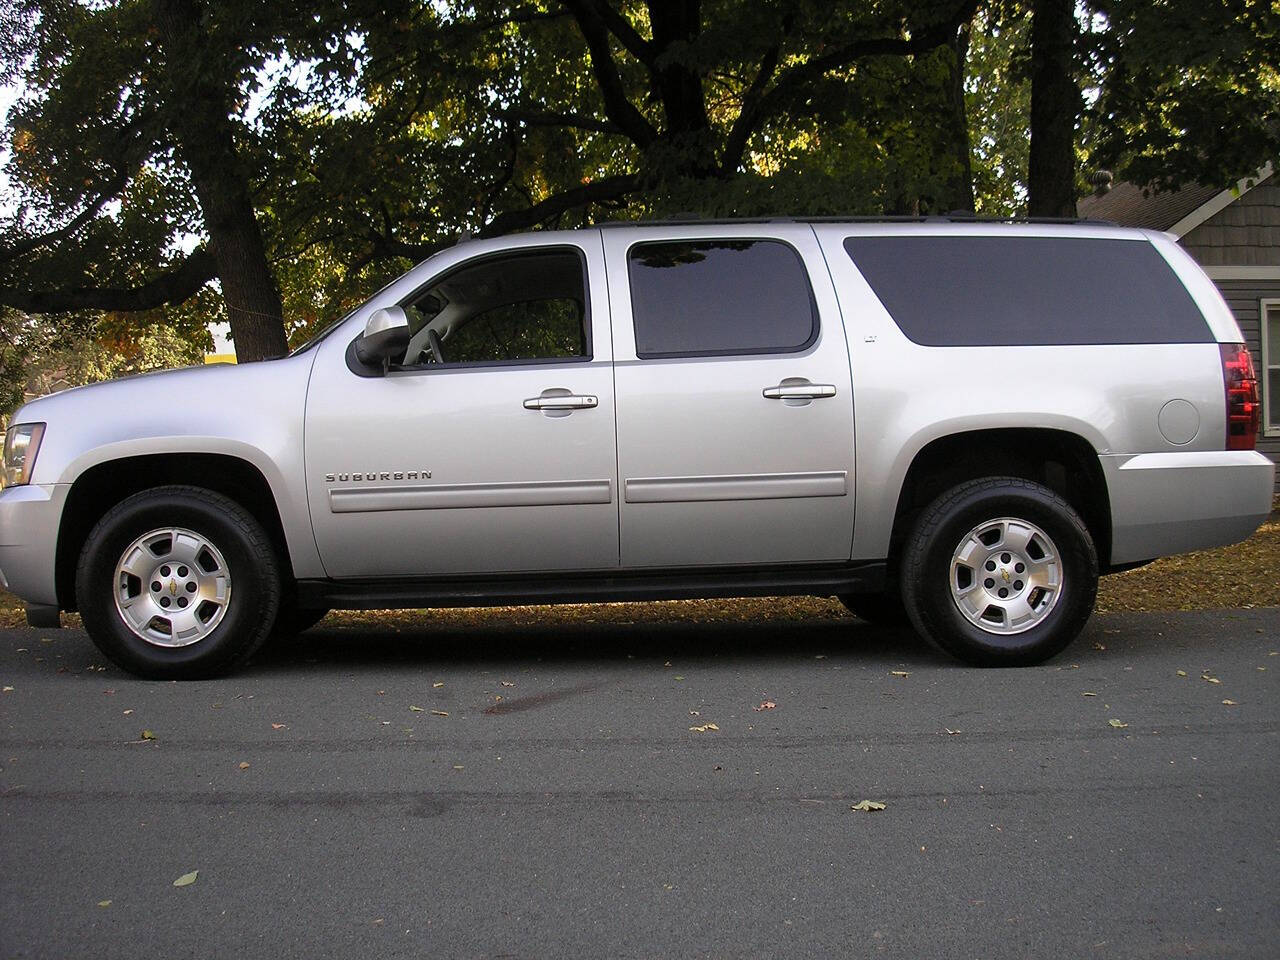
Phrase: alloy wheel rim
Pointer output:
(1006, 576)
(172, 587)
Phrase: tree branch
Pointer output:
(179, 284)
(551, 118)
(597, 191)
(603, 191)
(617, 107)
(620, 27)
(27, 244)
(929, 38)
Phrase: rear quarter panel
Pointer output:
(907, 395)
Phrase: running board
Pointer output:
(685, 584)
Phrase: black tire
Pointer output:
(292, 620)
(250, 560)
(927, 574)
(883, 609)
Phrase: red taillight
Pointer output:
(1244, 409)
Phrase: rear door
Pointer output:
(734, 402)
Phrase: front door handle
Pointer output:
(560, 401)
(799, 391)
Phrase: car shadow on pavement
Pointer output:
(593, 642)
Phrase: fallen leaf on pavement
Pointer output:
(104, 903)
(439, 713)
(244, 765)
(767, 705)
(899, 673)
(278, 726)
(951, 732)
(437, 685)
(1088, 693)
(8, 690)
(187, 879)
(867, 806)
(127, 712)
(679, 678)
(704, 728)
(416, 709)
(1210, 678)
(506, 683)
(1229, 703)
(1118, 724)
(148, 735)
(1182, 673)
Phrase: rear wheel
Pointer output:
(177, 582)
(1000, 572)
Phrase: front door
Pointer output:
(735, 409)
(490, 447)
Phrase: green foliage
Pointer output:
(1189, 92)
(39, 355)
(998, 102)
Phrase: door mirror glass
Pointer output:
(386, 335)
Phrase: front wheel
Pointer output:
(178, 582)
(1000, 572)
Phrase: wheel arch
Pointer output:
(1063, 461)
(104, 484)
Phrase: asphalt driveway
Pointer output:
(615, 790)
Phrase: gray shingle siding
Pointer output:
(1246, 233)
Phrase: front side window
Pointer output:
(719, 297)
(518, 307)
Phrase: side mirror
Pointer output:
(386, 333)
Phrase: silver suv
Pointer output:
(959, 424)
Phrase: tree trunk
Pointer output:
(1055, 108)
(200, 111)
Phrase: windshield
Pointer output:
(321, 335)
(337, 323)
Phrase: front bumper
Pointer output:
(1167, 503)
(29, 517)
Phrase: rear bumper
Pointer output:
(29, 519)
(1166, 503)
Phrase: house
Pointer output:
(1234, 235)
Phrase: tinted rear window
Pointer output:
(1015, 291)
(706, 298)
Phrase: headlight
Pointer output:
(21, 444)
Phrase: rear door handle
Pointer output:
(799, 391)
(572, 401)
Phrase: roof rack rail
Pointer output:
(690, 221)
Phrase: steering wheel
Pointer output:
(433, 341)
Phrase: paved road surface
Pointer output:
(579, 816)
